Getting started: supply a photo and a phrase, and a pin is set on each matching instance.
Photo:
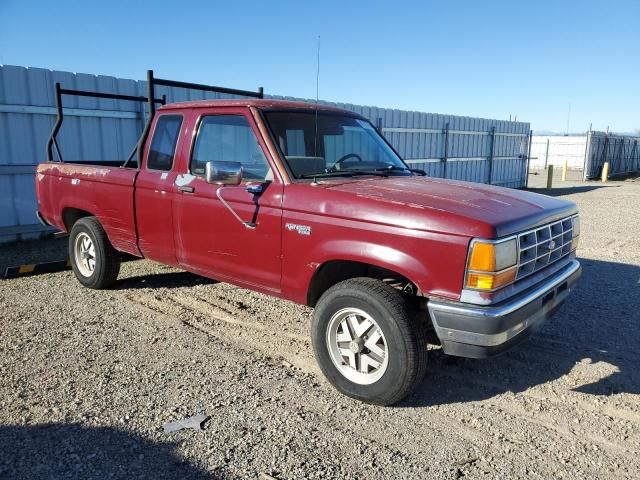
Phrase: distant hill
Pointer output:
(578, 134)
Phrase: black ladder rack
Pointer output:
(151, 99)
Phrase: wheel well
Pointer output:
(72, 215)
(335, 271)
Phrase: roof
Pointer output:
(257, 103)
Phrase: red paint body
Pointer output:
(416, 226)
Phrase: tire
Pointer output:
(103, 261)
(390, 357)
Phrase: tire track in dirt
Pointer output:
(219, 320)
(188, 311)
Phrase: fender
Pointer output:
(420, 261)
(372, 254)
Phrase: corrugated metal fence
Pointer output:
(621, 151)
(473, 149)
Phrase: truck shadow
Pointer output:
(597, 331)
(52, 451)
(162, 280)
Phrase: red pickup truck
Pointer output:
(311, 204)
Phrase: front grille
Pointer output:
(543, 246)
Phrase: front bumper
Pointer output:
(474, 331)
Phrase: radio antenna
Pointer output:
(318, 70)
(315, 142)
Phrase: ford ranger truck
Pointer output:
(311, 204)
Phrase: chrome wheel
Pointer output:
(85, 254)
(357, 346)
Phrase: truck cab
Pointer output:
(311, 204)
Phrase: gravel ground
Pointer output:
(88, 378)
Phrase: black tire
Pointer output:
(107, 258)
(406, 342)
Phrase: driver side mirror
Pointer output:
(223, 173)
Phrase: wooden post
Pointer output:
(549, 177)
(564, 170)
(605, 172)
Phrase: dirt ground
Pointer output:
(88, 378)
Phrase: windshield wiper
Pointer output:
(395, 168)
(344, 173)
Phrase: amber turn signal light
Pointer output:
(491, 264)
(483, 257)
(491, 281)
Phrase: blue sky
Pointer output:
(477, 58)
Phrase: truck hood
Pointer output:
(449, 205)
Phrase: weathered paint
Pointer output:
(418, 227)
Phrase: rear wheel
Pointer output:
(95, 262)
(366, 343)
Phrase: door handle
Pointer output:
(255, 189)
(184, 189)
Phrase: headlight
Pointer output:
(575, 238)
(492, 264)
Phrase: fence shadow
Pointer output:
(599, 324)
(55, 451)
(561, 191)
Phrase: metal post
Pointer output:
(143, 120)
(626, 158)
(605, 172)
(546, 155)
(564, 170)
(526, 175)
(587, 155)
(493, 137)
(618, 157)
(379, 125)
(446, 150)
(151, 94)
(52, 138)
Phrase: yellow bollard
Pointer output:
(605, 172)
(549, 177)
(564, 171)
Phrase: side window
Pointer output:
(163, 144)
(229, 138)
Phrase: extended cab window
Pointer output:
(163, 144)
(229, 138)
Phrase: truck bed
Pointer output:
(68, 190)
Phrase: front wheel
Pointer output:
(366, 343)
(94, 261)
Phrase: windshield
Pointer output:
(334, 145)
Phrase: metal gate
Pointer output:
(622, 153)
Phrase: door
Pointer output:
(155, 191)
(229, 232)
